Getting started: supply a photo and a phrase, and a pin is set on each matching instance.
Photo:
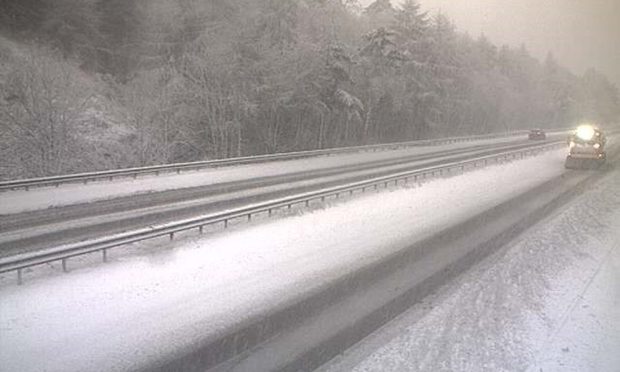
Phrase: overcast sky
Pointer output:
(580, 33)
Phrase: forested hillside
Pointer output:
(94, 84)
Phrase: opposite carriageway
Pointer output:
(179, 167)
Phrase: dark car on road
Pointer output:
(537, 134)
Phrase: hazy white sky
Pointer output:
(580, 33)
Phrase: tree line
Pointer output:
(115, 83)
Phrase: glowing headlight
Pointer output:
(585, 132)
(597, 146)
(571, 144)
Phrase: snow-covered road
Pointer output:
(41, 198)
(147, 306)
(548, 302)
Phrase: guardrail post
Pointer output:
(269, 211)
(200, 228)
(64, 265)
(104, 254)
(225, 223)
(351, 192)
(307, 202)
(249, 216)
(19, 276)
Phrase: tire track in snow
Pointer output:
(502, 313)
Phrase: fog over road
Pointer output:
(492, 253)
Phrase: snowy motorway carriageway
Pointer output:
(285, 294)
(110, 175)
(50, 217)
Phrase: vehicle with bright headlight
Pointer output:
(586, 148)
